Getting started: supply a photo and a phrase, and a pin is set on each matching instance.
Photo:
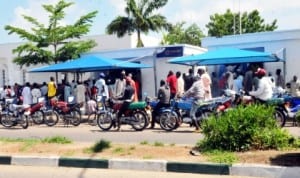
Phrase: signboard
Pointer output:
(171, 52)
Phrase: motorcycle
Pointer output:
(292, 107)
(12, 114)
(134, 116)
(278, 102)
(69, 112)
(182, 109)
(166, 117)
(36, 111)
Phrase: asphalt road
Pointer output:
(85, 133)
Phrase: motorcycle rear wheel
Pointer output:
(279, 117)
(75, 117)
(38, 117)
(140, 121)
(105, 121)
(23, 121)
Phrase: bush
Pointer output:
(100, 146)
(244, 128)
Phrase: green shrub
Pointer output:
(100, 146)
(244, 128)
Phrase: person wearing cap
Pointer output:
(197, 92)
(101, 87)
(264, 90)
(127, 98)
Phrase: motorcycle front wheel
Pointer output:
(105, 121)
(51, 118)
(168, 121)
(7, 120)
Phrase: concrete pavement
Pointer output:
(155, 166)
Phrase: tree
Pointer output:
(229, 23)
(139, 19)
(52, 42)
(177, 34)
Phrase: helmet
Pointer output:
(261, 72)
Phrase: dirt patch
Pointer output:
(138, 151)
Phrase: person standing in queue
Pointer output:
(163, 96)
(127, 99)
(51, 89)
(172, 83)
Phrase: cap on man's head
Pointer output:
(261, 72)
(123, 72)
(101, 74)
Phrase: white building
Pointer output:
(112, 47)
(283, 43)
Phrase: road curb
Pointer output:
(202, 168)
(83, 162)
(256, 170)
(145, 165)
(5, 159)
(35, 160)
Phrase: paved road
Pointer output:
(86, 133)
(51, 172)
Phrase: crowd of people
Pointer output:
(201, 86)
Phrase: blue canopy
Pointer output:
(225, 56)
(89, 63)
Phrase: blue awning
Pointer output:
(89, 63)
(226, 56)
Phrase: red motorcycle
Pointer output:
(69, 112)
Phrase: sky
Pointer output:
(189, 11)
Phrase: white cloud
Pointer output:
(36, 10)
(198, 11)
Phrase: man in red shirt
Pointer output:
(172, 82)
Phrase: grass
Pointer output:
(217, 156)
(28, 143)
(119, 150)
(158, 144)
(56, 139)
(144, 142)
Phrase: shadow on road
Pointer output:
(288, 159)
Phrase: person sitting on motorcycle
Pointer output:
(163, 96)
(264, 91)
(197, 91)
(127, 98)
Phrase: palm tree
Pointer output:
(139, 19)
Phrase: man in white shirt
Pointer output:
(102, 87)
(264, 90)
(180, 84)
